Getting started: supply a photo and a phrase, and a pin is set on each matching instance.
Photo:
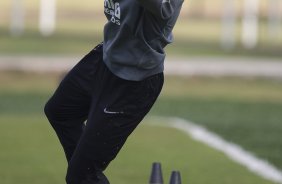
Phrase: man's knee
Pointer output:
(51, 112)
(48, 110)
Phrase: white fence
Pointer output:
(249, 28)
(47, 17)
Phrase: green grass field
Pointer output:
(30, 152)
(247, 112)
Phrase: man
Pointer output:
(113, 87)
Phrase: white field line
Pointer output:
(231, 150)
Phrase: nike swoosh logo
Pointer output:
(112, 112)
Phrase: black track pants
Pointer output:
(93, 112)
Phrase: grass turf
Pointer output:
(246, 112)
(32, 154)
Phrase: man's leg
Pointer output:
(68, 108)
(121, 107)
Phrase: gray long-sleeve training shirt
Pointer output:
(135, 36)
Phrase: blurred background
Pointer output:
(205, 27)
(223, 72)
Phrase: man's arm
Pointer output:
(161, 8)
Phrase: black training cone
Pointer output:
(175, 178)
(156, 174)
